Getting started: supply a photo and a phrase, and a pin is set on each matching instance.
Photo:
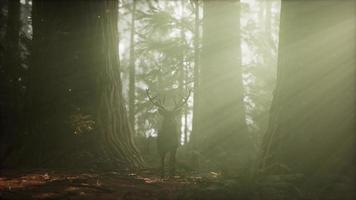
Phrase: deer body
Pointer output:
(168, 135)
(168, 142)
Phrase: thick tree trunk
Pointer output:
(75, 72)
(312, 124)
(221, 119)
(181, 82)
(112, 119)
(9, 74)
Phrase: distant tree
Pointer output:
(197, 25)
(259, 36)
(312, 124)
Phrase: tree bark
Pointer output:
(181, 82)
(75, 70)
(312, 124)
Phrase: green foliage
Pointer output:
(163, 53)
(164, 49)
(259, 37)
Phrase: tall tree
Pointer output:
(112, 118)
(222, 127)
(12, 39)
(75, 76)
(312, 124)
(132, 70)
(182, 71)
(10, 70)
(260, 37)
(197, 25)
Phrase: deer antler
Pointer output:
(177, 106)
(156, 103)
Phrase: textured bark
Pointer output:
(75, 69)
(312, 124)
(112, 119)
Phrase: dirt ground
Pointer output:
(147, 185)
(144, 184)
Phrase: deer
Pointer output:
(168, 134)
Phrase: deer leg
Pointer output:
(172, 162)
(163, 155)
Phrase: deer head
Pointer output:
(168, 115)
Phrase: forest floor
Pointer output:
(144, 184)
(147, 185)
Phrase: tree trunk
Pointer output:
(312, 124)
(75, 72)
(195, 126)
(181, 83)
(185, 133)
(112, 120)
(221, 119)
(9, 74)
(132, 70)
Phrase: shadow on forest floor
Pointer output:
(145, 184)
